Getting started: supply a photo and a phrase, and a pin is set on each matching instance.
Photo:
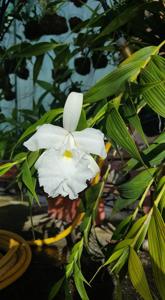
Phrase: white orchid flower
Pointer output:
(66, 165)
(60, 175)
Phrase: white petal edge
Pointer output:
(90, 140)
(47, 136)
(72, 111)
(61, 177)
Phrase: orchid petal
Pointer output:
(93, 166)
(62, 176)
(90, 140)
(47, 136)
(72, 111)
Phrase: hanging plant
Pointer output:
(82, 65)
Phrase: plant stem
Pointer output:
(142, 200)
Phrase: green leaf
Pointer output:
(4, 168)
(68, 291)
(161, 225)
(122, 228)
(69, 268)
(123, 18)
(154, 154)
(20, 156)
(153, 81)
(123, 244)
(37, 49)
(159, 186)
(99, 115)
(3, 146)
(55, 289)
(113, 257)
(87, 223)
(121, 261)
(28, 180)
(45, 85)
(133, 189)
(37, 67)
(141, 235)
(156, 240)
(135, 228)
(117, 290)
(138, 231)
(82, 124)
(120, 255)
(133, 118)
(136, 186)
(79, 283)
(144, 55)
(79, 274)
(114, 83)
(75, 256)
(118, 132)
(32, 157)
(91, 196)
(160, 183)
(137, 275)
(111, 84)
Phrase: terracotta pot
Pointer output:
(65, 209)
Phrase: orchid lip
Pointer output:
(68, 154)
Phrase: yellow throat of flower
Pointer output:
(68, 154)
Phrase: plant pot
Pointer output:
(65, 209)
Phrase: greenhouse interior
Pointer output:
(82, 150)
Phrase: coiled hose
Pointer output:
(15, 252)
(14, 259)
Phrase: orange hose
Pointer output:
(16, 259)
(59, 236)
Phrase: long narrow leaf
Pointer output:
(37, 49)
(123, 18)
(156, 240)
(154, 154)
(121, 261)
(133, 189)
(136, 186)
(4, 168)
(55, 289)
(80, 284)
(114, 83)
(135, 228)
(117, 130)
(153, 91)
(37, 67)
(28, 180)
(133, 118)
(137, 275)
